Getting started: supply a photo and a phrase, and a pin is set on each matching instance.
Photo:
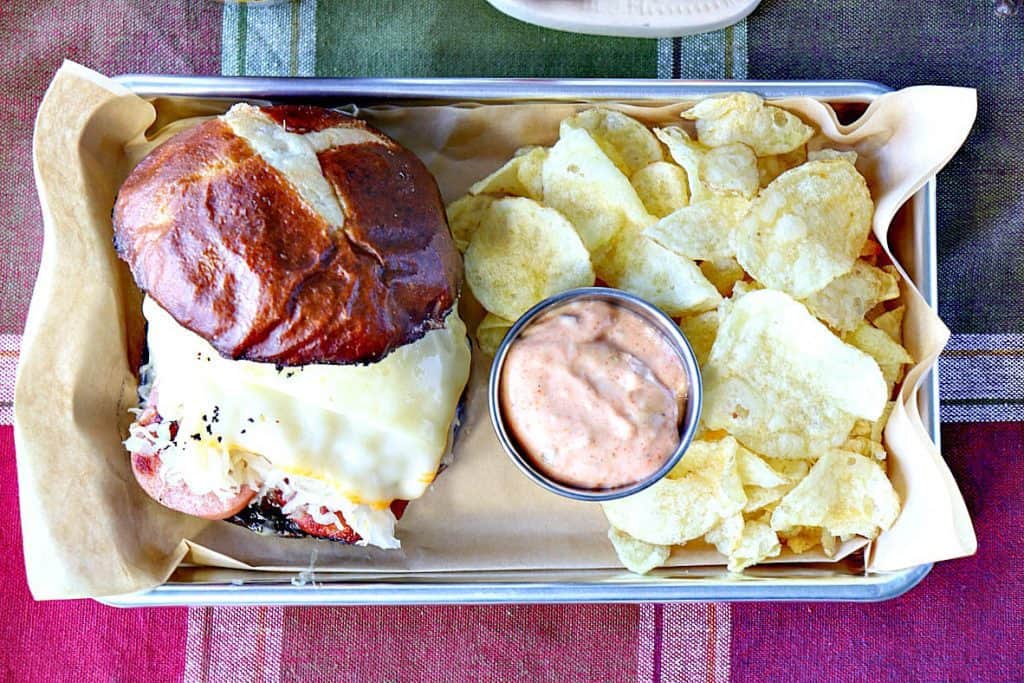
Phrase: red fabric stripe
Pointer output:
(111, 36)
(963, 622)
(47, 641)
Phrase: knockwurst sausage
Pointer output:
(178, 497)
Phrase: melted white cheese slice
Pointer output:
(351, 438)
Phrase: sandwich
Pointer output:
(306, 359)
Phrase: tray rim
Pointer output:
(410, 591)
(519, 89)
(871, 588)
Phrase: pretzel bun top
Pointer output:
(291, 235)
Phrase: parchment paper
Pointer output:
(91, 531)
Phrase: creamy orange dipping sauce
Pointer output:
(594, 394)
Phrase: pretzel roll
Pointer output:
(291, 235)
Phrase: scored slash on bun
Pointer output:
(291, 235)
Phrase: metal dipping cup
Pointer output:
(650, 314)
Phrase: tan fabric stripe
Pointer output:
(10, 344)
(234, 644)
(645, 643)
(683, 642)
(196, 645)
(695, 642)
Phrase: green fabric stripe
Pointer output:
(464, 38)
(702, 56)
(243, 12)
(664, 58)
(293, 62)
(740, 59)
(716, 55)
(229, 41)
(270, 36)
(306, 37)
(727, 49)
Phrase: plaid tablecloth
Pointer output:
(963, 623)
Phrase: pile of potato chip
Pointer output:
(756, 239)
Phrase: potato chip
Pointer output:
(844, 494)
(730, 169)
(760, 498)
(878, 426)
(490, 333)
(870, 250)
(672, 283)
(687, 154)
(519, 177)
(879, 345)
(829, 154)
(662, 187)
(700, 331)
(723, 274)
(757, 542)
(627, 142)
(872, 430)
(806, 228)
(892, 374)
(464, 217)
(891, 322)
(829, 544)
(756, 472)
(636, 555)
(864, 446)
(522, 253)
(765, 488)
(792, 470)
(726, 535)
(861, 428)
(781, 383)
(805, 538)
(875, 311)
(704, 434)
(772, 166)
(583, 184)
(744, 117)
(802, 538)
(743, 288)
(701, 231)
(843, 302)
(703, 489)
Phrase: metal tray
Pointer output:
(843, 581)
